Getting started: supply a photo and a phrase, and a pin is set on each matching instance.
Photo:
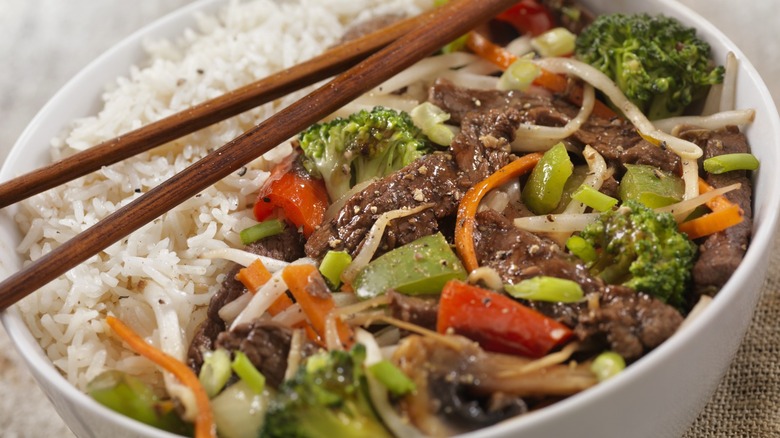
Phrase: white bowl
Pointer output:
(658, 396)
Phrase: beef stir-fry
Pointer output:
(468, 245)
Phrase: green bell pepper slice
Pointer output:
(421, 267)
(651, 186)
(544, 188)
(130, 396)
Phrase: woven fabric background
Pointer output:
(747, 401)
(43, 43)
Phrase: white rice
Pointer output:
(154, 279)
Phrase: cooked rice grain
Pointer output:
(154, 278)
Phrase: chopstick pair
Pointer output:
(199, 116)
(436, 29)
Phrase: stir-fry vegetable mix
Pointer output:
(525, 253)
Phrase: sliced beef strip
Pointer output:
(431, 179)
(459, 101)
(266, 344)
(482, 146)
(619, 143)
(417, 310)
(287, 246)
(630, 323)
(615, 139)
(440, 179)
(519, 255)
(213, 325)
(721, 253)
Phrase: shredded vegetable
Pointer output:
(316, 305)
(254, 276)
(556, 83)
(204, 421)
(465, 221)
(724, 214)
(601, 82)
(712, 223)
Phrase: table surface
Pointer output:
(43, 43)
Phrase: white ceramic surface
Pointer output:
(658, 396)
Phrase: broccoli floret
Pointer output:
(327, 397)
(661, 65)
(367, 144)
(642, 249)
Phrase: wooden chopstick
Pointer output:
(199, 116)
(442, 26)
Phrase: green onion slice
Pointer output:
(332, 265)
(607, 364)
(730, 162)
(520, 75)
(268, 228)
(245, 369)
(581, 248)
(392, 378)
(555, 42)
(543, 288)
(430, 119)
(215, 372)
(594, 198)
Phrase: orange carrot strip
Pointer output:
(575, 96)
(312, 335)
(204, 421)
(717, 203)
(280, 304)
(502, 58)
(253, 276)
(712, 222)
(464, 224)
(256, 275)
(316, 306)
(486, 49)
(553, 82)
(724, 214)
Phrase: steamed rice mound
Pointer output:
(155, 279)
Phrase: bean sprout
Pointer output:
(533, 138)
(374, 237)
(600, 81)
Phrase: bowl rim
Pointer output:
(762, 239)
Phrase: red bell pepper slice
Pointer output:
(498, 323)
(528, 16)
(301, 199)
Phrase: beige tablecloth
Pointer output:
(45, 42)
(747, 401)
